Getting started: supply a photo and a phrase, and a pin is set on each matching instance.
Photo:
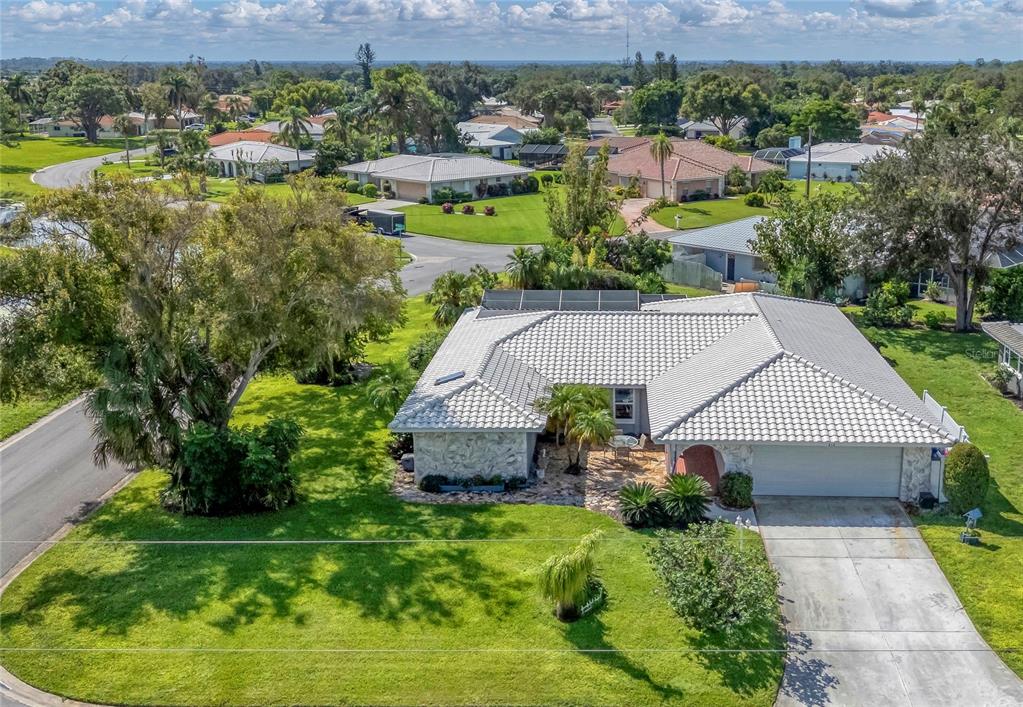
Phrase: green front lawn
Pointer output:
(986, 578)
(31, 153)
(701, 214)
(15, 417)
(435, 620)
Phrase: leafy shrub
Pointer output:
(490, 211)
(546, 179)
(559, 178)
(481, 190)
(886, 305)
(369, 190)
(423, 200)
(447, 207)
(468, 209)
(755, 199)
(651, 283)
(935, 320)
(736, 489)
(934, 292)
(225, 471)
(421, 352)
(639, 504)
(517, 186)
(685, 499)
(443, 194)
(710, 582)
(399, 443)
(431, 483)
(725, 142)
(1003, 296)
(1001, 377)
(966, 477)
(532, 184)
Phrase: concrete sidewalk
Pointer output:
(870, 617)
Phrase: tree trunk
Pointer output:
(566, 612)
(964, 303)
(127, 152)
(664, 189)
(256, 357)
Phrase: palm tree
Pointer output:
(17, 88)
(686, 498)
(178, 88)
(209, 108)
(389, 389)
(235, 106)
(294, 127)
(566, 579)
(453, 293)
(123, 125)
(590, 427)
(918, 106)
(339, 125)
(660, 150)
(560, 407)
(524, 268)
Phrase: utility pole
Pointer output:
(809, 153)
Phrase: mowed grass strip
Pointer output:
(32, 152)
(475, 599)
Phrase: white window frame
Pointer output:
(630, 401)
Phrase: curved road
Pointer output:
(70, 174)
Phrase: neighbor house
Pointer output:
(548, 156)
(786, 390)
(415, 177)
(313, 128)
(510, 117)
(725, 249)
(694, 169)
(699, 129)
(499, 140)
(229, 136)
(55, 127)
(1009, 336)
(835, 161)
(779, 156)
(258, 160)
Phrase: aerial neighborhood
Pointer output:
(648, 381)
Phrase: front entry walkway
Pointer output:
(871, 619)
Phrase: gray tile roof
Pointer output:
(844, 152)
(731, 237)
(747, 367)
(257, 152)
(1006, 333)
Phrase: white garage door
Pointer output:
(782, 470)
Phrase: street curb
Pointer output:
(11, 687)
(49, 417)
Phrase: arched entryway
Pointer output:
(704, 461)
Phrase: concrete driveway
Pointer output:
(870, 617)
(77, 172)
(435, 256)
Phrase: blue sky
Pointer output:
(325, 30)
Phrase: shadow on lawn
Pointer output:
(344, 485)
(589, 633)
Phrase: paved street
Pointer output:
(47, 478)
(602, 126)
(69, 174)
(435, 256)
(870, 617)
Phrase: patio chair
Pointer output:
(621, 452)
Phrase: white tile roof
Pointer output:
(844, 152)
(435, 168)
(251, 151)
(747, 367)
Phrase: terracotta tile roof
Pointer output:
(514, 121)
(690, 160)
(876, 116)
(620, 143)
(230, 136)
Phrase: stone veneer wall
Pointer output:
(916, 473)
(460, 455)
(738, 457)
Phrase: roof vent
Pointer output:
(447, 378)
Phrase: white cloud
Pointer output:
(53, 12)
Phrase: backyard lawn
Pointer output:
(439, 618)
(30, 153)
(986, 578)
(700, 214)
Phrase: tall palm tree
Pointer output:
(17, 88)
(565, 579)
(123, 125)
(452, 293)
(235, 106)
(590, 427)
(524, 268)
(660, 150)
(294, 127)
(339, 125)
(208, 108)
(178, 89)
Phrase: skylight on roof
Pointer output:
(448, 377)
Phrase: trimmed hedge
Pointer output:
(736, 489)
(966, 477)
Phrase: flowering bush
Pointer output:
(468, 209)
(490, 211)
(447, 207)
